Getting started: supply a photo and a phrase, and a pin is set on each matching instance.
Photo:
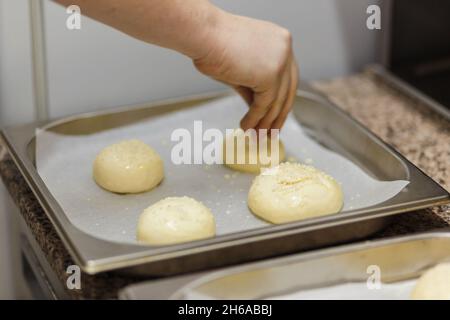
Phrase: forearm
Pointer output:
(182, 25)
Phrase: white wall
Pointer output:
(330, 36)
(15, 63)
(98, 67)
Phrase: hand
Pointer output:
(255, 58)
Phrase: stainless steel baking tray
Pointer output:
(325, 122)
(342, 272)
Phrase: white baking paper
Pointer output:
(64, 162)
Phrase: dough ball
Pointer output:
(175, 220)
(129, 166)
(434, 284)
(293, 191)
(251, 161)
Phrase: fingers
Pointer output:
(245, 93)
(279, 102)
(269, 109)
(259, 107)
(278, 123)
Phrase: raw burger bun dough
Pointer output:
(248, 166)
(293, 191)
(174, 220)
(434, 284)
(129, 166)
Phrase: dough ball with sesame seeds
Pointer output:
(175, 220)
(293, 191)
(129, 166)
(245, 153)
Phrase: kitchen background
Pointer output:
(98, 67)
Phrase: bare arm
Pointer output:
(254, 57)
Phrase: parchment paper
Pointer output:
(65, 164)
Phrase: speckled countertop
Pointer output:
(415, 131)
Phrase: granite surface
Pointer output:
(415, 131)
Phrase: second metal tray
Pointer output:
(328, 124)
(382, 269)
